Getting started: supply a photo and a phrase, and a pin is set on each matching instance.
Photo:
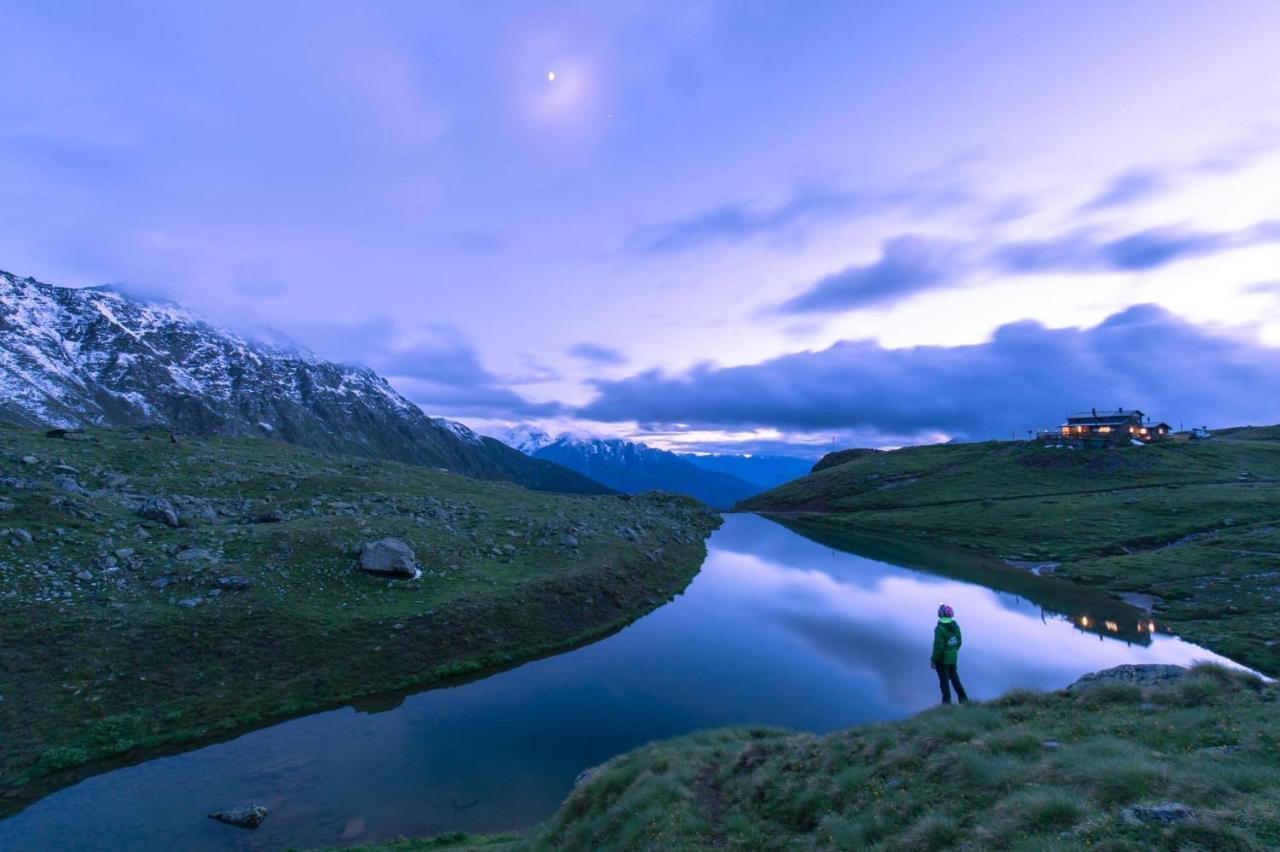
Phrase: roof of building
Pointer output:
(1115, 415)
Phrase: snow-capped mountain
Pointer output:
(95, 357)
(634, 467)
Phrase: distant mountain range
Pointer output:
(92, 356)
(763, 471)
(634, 467)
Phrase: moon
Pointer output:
(551, 76)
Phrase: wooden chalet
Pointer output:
(1110, 428)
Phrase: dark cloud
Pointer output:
(738, 221)
(1128, 187)
(1025, 376)
(907, 265)
(597, 354)
(1085, 252)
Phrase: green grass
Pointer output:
(978, 774)
(1195, 525)
(107, 666)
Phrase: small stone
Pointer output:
(195, 554)
(115, 481)
(67, 484)
(161, 582)
(84, 575)
(1051, 745)
(20, 536)
(213, 593)
(29, 460)
(159, 509)
(190, 603)
(1163, 814)
(354, 829)
(6, 506)
(232, 584)
(571, 541)
(274, 516)
(247, 816)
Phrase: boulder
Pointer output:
(159, 509)
(389, 556)
(1139, 675)
(245, 816)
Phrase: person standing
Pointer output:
(946, 647)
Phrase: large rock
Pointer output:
(389, 556)
(1140, 675)
(246, 816)
(159, 509)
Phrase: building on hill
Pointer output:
(1111, 428)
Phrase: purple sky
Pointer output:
(744, 224)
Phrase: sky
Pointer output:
(736, 226)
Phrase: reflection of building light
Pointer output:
(1151, 625)
(1112, 626)
(1084, 621)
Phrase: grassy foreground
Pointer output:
(1190, 529)
(122, 636)
(1192, 763)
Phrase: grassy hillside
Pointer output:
(122, 635)
(1193, 527)
(1188, 763)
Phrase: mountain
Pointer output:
(71, 357)
(764, 471)
(633, 467)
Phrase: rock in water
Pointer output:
(159, 509)
(247, 816)
(389, 556)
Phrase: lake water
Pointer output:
(777, 629)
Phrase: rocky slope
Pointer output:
(72, 357)
(633, 467)
(189, 589)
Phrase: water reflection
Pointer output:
(778, 629)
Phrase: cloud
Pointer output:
(1026, 376)
(441, 371)
(907, 265)
(1128, 187)
(597, 354)
(1084, 251)
(738, 221)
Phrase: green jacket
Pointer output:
(946, 642)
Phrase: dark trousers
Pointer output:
(947, 671)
